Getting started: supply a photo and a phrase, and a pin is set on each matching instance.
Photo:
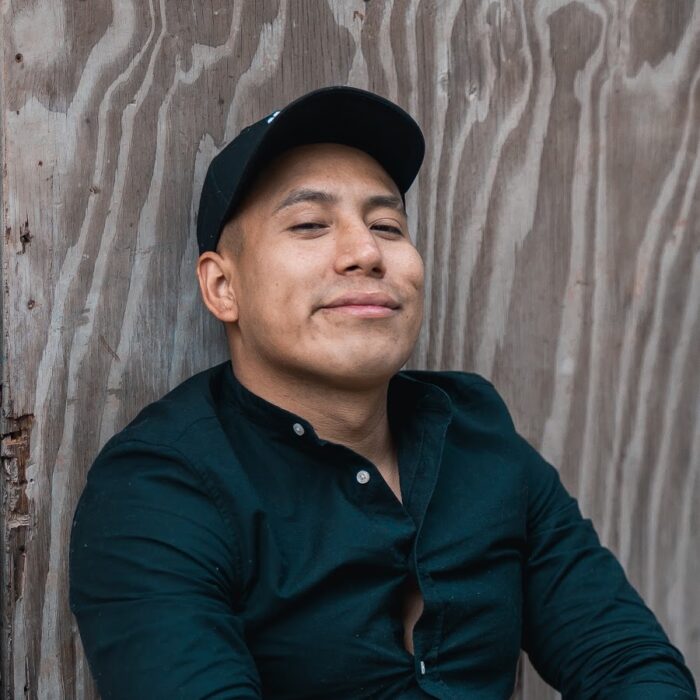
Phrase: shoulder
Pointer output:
(164, 453)
(164, 422)
(482, 425)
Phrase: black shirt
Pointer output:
(221, 549)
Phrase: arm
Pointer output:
(152, 581)
(586, 630)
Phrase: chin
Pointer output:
(363, 372)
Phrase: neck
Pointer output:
(354, 417)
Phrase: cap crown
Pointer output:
(337, 114)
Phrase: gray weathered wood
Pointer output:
(557, 212)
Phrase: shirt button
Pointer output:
(362, 476)
(298, 428)
(422, 668)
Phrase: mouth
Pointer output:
(368, 305)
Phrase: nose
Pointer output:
(358, 250)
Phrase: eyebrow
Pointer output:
(386, 200)
(304, 195)
(300, 195)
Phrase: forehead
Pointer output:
(331, 163)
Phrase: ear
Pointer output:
(215, 274)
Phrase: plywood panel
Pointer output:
(557, 212)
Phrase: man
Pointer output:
(306, 521)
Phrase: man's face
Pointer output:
(328, 284)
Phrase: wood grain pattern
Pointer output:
(557, 212)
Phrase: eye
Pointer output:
(387, 228)
(308, 227)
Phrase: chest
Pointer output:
(341, 575)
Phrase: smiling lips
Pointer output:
(368, 304)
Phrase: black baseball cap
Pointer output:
(337, 114)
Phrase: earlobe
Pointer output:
(215, 284)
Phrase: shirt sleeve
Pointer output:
(586, 630)
(153, 570)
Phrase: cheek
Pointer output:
(283, 287)
(412, 269)
(414, 282)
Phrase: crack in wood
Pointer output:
(14, 455)
(102, 340)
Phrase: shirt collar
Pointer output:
(408, 399)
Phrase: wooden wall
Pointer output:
(558, 213)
